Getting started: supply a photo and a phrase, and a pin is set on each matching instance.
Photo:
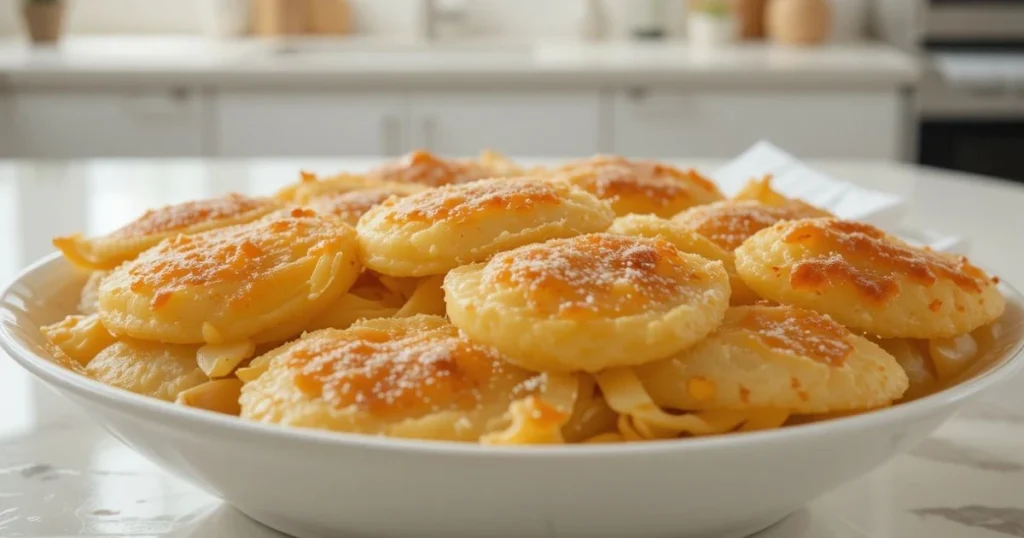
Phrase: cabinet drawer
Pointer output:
(8, 142)
(541, 124)
(152, 123)
(661, 123)
(290, 123)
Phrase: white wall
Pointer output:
(895, 19)
(184, 16)
(540, 18)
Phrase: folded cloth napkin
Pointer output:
(846, 200)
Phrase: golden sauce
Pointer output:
(594, 275)
(872, 262)
(181, 216)
(798, 331)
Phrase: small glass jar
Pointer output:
(649, 19)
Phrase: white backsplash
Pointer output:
(522, 19)
(185, 16)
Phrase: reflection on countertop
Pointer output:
(63, 475)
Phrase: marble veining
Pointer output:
(991, 413)
(1008, 521)
(946, 451)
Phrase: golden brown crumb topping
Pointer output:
(613, 182)
(798, 331)
(594, 275)
(425, 168)
(181, 216)
(462, 203)
(871, 261)
(728, 224)
(242, 254)
(403, 369)
(349, 206)
(645, 171)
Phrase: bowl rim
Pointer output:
(64, 379)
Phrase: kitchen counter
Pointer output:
(101, 61)
(61, 475)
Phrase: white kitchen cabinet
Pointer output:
(7, 138)
(309, 123)
(539, 124)
(810, 124)
(103, 123)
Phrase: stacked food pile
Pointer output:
(602, 300)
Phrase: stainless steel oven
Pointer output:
(972, 102)
(974, 21)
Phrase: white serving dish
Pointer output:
(319, 484)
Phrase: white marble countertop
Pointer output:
(184, 60)
(60, 475)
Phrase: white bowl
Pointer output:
(316, 483)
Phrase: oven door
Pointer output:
(988, 147)
(975, 21)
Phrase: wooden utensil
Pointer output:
(798, 22)
(329, 17)
(272, 18)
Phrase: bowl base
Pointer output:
(300, 529)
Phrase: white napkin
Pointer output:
(846, 200)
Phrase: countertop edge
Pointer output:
(95, 63)
(406, 80)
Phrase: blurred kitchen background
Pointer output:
(939, 82)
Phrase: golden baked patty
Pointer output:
(440, 229)
(639, 186)
(424, 168)
(261, 281)
(350, 206)
(588, 302)
(686, 241)
(149, 368)
(731, 222)
(155, 225)
(777, 357)
(868, 280)
(410, 377)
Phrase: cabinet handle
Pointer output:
(166, 105)
(180, 95)
(989, 91)
(429, 132)
(637, 94)
(390, 134)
